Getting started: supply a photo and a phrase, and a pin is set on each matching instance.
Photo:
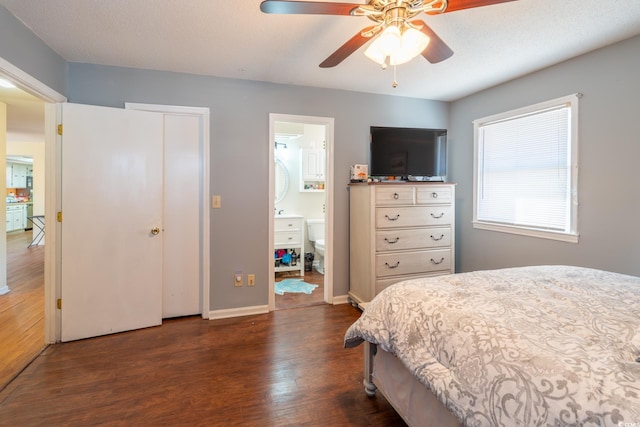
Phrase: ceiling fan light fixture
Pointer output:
(413, 43)
(390, 41)
(373, 53)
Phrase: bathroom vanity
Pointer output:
(289, 234)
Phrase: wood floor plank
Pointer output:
(22, 309)
(284, 368)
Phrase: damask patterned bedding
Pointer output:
(530, 346)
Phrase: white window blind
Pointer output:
(525, 164)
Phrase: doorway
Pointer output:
(22, 293)
(301, 214)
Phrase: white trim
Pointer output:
(203, 112)
(328, 122)
(341, 299)
(52, 205)
(523, 231)
(4, 290)
(238, 312)
(28, 83)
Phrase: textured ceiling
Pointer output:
(232, 38)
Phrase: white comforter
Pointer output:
(531, 346)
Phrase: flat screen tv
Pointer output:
(408, 153)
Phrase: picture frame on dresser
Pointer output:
(398, 231)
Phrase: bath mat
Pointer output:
(293, 286)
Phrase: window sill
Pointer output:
(523, 231)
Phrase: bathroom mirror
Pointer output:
(281, 181)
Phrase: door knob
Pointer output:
(155, 231)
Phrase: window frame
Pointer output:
(571, 233)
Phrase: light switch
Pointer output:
(215, 202)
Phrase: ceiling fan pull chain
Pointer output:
(395, 82)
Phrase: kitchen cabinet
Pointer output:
(17, 175)
(16, 218)
(312, 170)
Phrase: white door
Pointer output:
(111, 278)
(181, 252)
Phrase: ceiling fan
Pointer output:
(397, 37)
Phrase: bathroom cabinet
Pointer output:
(312, 170)
(398, 232)
(289, 234)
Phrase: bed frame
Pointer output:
(417, 405)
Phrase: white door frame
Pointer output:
(203, 114)
(38, 89)
(328, 122)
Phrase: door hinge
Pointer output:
(59, 303)
(59, 216)
(60, 129)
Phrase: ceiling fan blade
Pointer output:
(437, 50)
(469, 4)
(353, 44)
(307, 7)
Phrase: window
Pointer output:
(525, 170)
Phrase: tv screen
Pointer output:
(408, 152)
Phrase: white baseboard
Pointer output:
(238, 312)
(4, 290)
(341, 299)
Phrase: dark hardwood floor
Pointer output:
(285, 368)
(22, 309)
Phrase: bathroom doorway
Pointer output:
(301, 199)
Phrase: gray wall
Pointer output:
(609, 156)
(239, 154)
(20, 47)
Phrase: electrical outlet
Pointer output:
(237, 279)
(251, 279)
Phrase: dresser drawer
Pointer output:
(413, 216)
(287, 224)
(287, 238)
(393, 264)
(432, 195)
(383, 283)
(391, 240)
(395, 196)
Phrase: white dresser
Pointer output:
(289, 235)
(399, 231)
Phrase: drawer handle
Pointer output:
(437, 216)
(434, 195)
(437, 238)
(393, 266)
(392, 219)
(396, 196)
(390, 242)
(437, 262)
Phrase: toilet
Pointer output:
(315, 233)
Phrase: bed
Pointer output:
(527, 346)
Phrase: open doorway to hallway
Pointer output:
(22, 300)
